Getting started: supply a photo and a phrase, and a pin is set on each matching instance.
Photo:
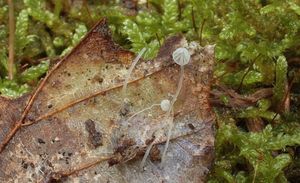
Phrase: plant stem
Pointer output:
(179, 9)
(11, 39)
(193, 20)
(201, 31)
(248, 70)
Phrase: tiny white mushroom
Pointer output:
(181, 56)
(165, 105)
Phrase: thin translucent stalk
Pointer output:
(180, 82)
(135, 61)
(146, 155)
(170, 128)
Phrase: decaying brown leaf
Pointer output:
(71, 129)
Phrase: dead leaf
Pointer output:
(44, 136)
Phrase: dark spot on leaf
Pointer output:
(30, 118)
(97, 79)
(95, 137)
(53, 178)
(113, 161)
(31, 165)
(191, 126)
(125, 109)
(41, 141)
(124, 144)
(24, 164)
(155, 154)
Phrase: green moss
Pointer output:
(35, 72)
(21, 32)
(11, 88)
(236, 148)
(281, 80)
(40, 32)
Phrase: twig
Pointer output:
(201, 30)
(236, 100)
(255, 124)
(179, 9)
(11, 40)
(86, 166)
(57, 176)
(193, 20)
(157, 37)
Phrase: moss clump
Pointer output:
(41, 33)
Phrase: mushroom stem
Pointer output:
(146, 154)
(165, 106)
(135, 61)
(170, 125)
(180, 82)
(170, 128)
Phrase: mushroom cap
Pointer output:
(181, 56)
(165, 105)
